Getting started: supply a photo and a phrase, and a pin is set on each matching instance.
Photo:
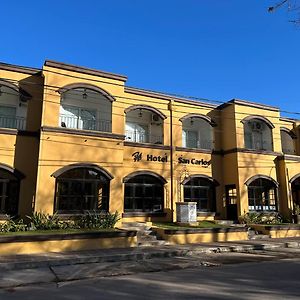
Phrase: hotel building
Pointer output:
(74, 139)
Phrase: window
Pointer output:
(83, 108)
(197, 133)
(138, 133)
(231, 195)
(262, 195)
(80, 118)
(258, 135)
(12, 111)
(9, 193)
(144, 193)
(287, 143)
(202, 191)
(82, 189)
(143, 126)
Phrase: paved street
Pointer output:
(272, 274)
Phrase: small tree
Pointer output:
(293, 7)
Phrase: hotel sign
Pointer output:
(139, 156)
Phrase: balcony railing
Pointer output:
(199, 144)
(142, 137)
(85, 124)
(287, 150)
(12, 122)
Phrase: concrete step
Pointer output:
(152, 243)
(137, 224)
(259, 237)
(224, 222)
(146, 238)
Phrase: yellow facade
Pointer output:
(227, 158)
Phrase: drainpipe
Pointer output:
(171, 104)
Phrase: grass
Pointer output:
(201, 224)
(54, 231)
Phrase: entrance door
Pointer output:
(231, 202)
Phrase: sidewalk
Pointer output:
(58, 267)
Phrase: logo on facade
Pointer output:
(194, 161)
(137, 156)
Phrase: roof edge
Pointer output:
(154, 94)
(20, 69)
(84, 70)
(249, 103)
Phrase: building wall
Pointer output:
(45, 147)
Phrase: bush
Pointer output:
(261, 218)
(96, 220)
(41, 221)
(13, 226)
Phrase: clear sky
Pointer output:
(215, 49)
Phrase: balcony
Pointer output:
(12, 122)
(84, 123)
(198, 144)
(142, 137)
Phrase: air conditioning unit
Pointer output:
(155, 118)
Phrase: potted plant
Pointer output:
(297, 213)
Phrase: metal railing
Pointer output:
(288, 150)
(199, 144)
(84, 124)
(142, 137)
(12, 122)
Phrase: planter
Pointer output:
(278, 231)
(202, 235)
(61, 242)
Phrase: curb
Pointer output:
(143, 254)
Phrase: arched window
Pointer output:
(295, 185)
(197, 133)
(144, 125)
(9, 193)
(85, 108)
(287, 142)
(258, 135)
(82, 189)
(202, 191)
(144, 193)
(262, 195)
(12, 111)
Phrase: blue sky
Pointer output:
(218, 50)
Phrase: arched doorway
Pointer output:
(144, 193)
(80, 189)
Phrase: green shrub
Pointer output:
(97, 220)
(13, 226)
(110, 220)
(42, 221)
(261, 218)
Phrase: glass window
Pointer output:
(202, 191)
(8, 117)
(262, 195)
(9, 193)
(197, 133)
(287, 142)
(138, 133)
(85, 109)
(144, 193)
(258, 135)
(82, 189)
